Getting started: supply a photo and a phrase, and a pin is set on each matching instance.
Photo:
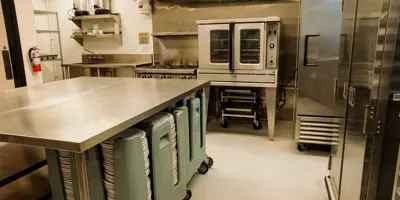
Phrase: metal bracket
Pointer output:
(371, 125)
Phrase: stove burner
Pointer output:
(171, 66)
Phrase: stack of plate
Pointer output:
(107, 149)
(65, 165)
(146, 153)
(174, 149)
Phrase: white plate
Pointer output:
(106, 146)
(64, 159)
(108, 162)
(109, 169)
(147, 171)
(147, 163)
(109, 186)
(109, 177)
(107, 151)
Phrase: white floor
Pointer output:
(250, 166)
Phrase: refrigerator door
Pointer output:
(214, 46)
(249, 46)
(318, 59)
(345, 54)
(363, 141)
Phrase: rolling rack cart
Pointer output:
(241, 103)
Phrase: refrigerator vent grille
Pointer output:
(318, 131)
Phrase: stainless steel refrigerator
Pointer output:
(365, 163)
(319, 111)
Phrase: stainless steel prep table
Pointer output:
(98, 66)
(77, 114)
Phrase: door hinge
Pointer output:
(371, 123)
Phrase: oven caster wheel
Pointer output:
(209, 162)
(203, 169)
(301, 147)
(224, 122)
(257, 125)
(188, 194)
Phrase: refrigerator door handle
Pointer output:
(335, 87)
(352, 96)
(231, 47)
(345, 90)
(306, 47)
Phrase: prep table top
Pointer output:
(76, 114)
(107, 65)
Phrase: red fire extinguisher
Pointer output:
(34, 57)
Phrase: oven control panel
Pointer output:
(273, 36)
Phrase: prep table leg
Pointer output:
(63, 72)
(69, 74)
(81, 174)
(98, 72)
(270, 98)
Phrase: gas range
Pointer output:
(167, 71)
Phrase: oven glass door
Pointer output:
(214, 48)
(249, 43)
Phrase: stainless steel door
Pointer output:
(6, 74)
(318, 58)
(345, 55)
(249, 46)
(361, 142)
(214, 46)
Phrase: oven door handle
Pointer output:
(231, 46)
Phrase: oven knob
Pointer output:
(182, 77)
(188, 77)
(148, 76)
(142, 76)
(162, 76)
(272, 45)
(168, 77)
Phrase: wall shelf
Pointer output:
(49, 57)
(79, 38)
(78, 20)
(47, 31)
(115, 33)
(44, 12)
(169, 34)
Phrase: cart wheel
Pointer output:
(257, 125)
(188, 194)
(301, 147)
(203, 169)
(224, 123)
(209, 162)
